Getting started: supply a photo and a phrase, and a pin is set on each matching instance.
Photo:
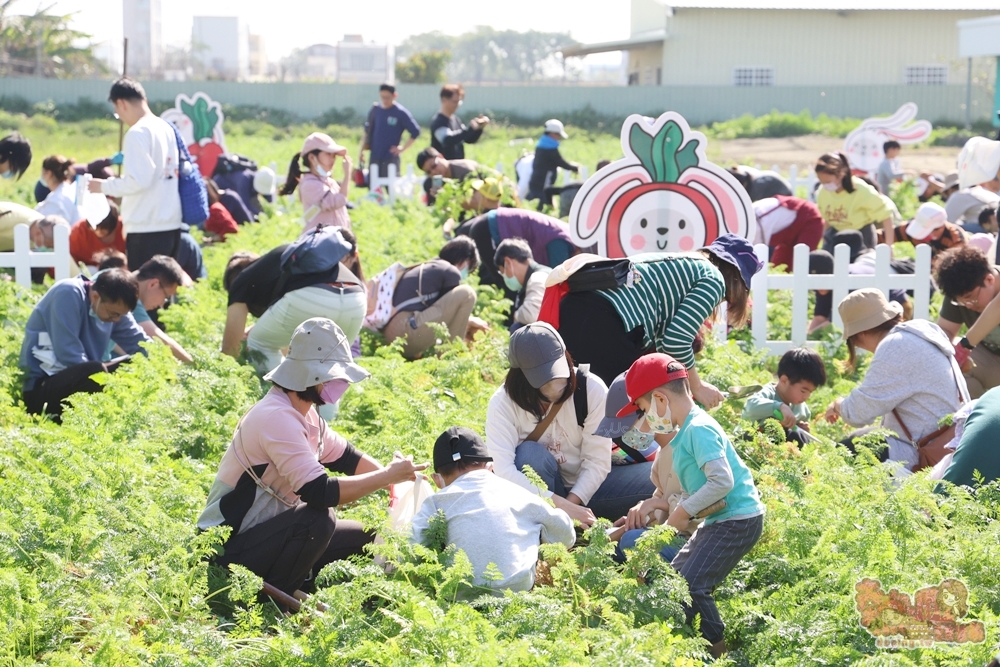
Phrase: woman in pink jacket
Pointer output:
(324, 200)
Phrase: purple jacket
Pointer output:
(536, 228)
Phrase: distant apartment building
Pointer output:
(142, 27)
(221, 45)
(358, 62)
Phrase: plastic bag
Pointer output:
(405, 500)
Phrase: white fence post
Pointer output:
(841, 281)
(583, 174)
(23, 258)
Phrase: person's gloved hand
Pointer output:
(117, 158)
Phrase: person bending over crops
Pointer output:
(661, 310)
(545, 416)
(524, 278)
(67, 335)
(324, 200)
(256, 287)
(428, 293)
(548, 237)
(494, 521)
(273, 488)
(912, 382)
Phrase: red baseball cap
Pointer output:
(646, 374)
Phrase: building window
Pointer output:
(362, 62)
(633, 79)
(753, 76)
(925, 75)
(659, 76)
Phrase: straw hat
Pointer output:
(865, 309)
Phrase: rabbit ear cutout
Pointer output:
(910, 134)
(903, 115)
(732, 210)
(589, 212)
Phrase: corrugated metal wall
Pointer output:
(814, 47)
(699, 104)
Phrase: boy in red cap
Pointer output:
(709, 470)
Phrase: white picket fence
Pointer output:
(840, 281)
(23, 258)
(407, 186)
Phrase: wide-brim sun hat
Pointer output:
(978, 162)
(930, 216)
(865, 309)
(317, 141)
(490, 188)
(538, 350)
(319, 352)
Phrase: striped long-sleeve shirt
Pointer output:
(673, 295)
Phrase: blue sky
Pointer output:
(287, 24)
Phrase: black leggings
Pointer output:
(285, 548)
(478, 229)
(594, 334)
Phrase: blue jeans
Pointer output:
(630, 537)
(622, 488)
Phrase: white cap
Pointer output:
(265, 181)
(930, 216)
(978, 162)
(555, 126)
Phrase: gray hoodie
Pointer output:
(914, 372)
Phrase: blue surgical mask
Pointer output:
(512, 283)
(464, 272)
(638, 440)
(321, 172)
(9, 174)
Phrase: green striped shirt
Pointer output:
(673, 295)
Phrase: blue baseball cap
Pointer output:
(737, 251)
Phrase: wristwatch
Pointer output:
(966, 344)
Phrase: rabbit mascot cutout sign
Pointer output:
(863, 146)
(663, 196)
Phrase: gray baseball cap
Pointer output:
(319, 352)
(613, 426)
(538, 350)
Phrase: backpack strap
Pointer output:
(580, 400)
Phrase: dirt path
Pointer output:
(803, 151)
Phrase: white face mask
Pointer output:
(832, 187)
(321, 172)
(658, 423)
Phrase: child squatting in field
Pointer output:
(709, 470)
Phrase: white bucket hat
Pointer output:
(265, 181)
(978, 162)
(319, 352)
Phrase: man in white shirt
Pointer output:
(151, 205)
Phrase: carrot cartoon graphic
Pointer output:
(663, 196)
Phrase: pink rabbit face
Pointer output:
(662, 221)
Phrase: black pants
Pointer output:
(140, 247)
(868, 237)
(285, 549)
(594, 334)
(854, 436)
(50, 392)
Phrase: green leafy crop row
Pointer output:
(101, 564)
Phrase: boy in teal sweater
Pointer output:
(709, 470)
(800, 372)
